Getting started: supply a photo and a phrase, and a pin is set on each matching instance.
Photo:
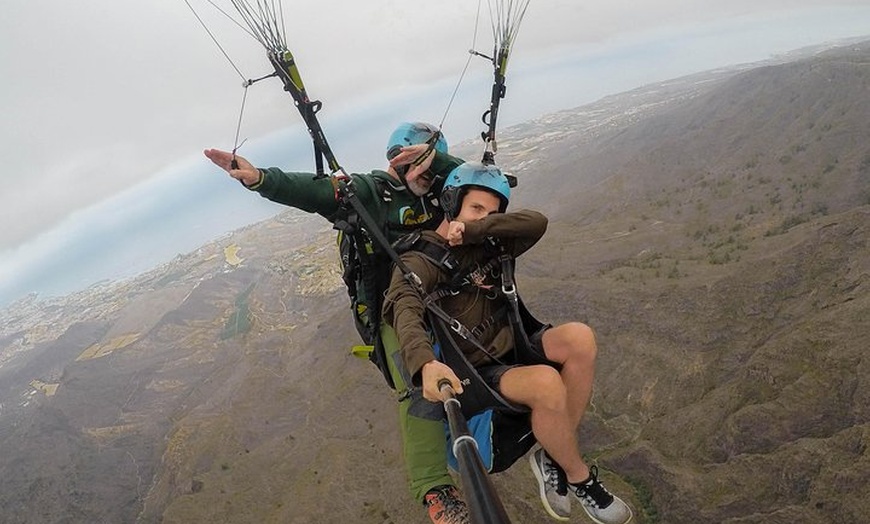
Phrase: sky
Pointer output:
(107, 105)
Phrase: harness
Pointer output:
(366, 257)
(443, 323)
(505, 426)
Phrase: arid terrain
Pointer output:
(713, 230)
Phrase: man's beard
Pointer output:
(420, 185)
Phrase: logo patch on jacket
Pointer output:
(409, 217)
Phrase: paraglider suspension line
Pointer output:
(236, 145)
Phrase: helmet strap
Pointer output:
(451, 202)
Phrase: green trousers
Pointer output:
(424, 440)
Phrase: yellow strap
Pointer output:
(362, 351)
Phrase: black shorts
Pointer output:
(491, 374)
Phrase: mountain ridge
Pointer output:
(728, 297)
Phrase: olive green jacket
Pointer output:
(399, 209)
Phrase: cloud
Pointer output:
(171, 213)
(98, 96)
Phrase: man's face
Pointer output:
(419, 181)
(478, 204)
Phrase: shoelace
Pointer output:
(555, 476)
(594, 493)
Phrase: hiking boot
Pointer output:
(599, 504)
(445, 505)
(552, 485)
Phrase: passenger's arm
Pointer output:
(405, 311)
(520, 230)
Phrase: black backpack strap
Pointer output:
(364, 252)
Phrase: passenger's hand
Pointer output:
(455, 233)
(245, 172)
(433, 372)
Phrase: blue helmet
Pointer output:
(473, 175)
(413, 133)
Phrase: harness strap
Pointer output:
(438, 254)
(522, 345)
(364, 236)
(442, 257)
(479, 274)
(479, 329)
(457, 327)
(459, 281)
(440, 293)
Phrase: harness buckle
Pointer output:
(448, 261)
(414, 279)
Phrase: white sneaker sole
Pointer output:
(542, 488)
(592, 517)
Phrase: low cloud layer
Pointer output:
(98, 96)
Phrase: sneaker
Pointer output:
(599, 504)
(552, 485)
(445, 505)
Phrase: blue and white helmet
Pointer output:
(413, 133)
(473, 175)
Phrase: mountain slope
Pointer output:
(712, 229)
